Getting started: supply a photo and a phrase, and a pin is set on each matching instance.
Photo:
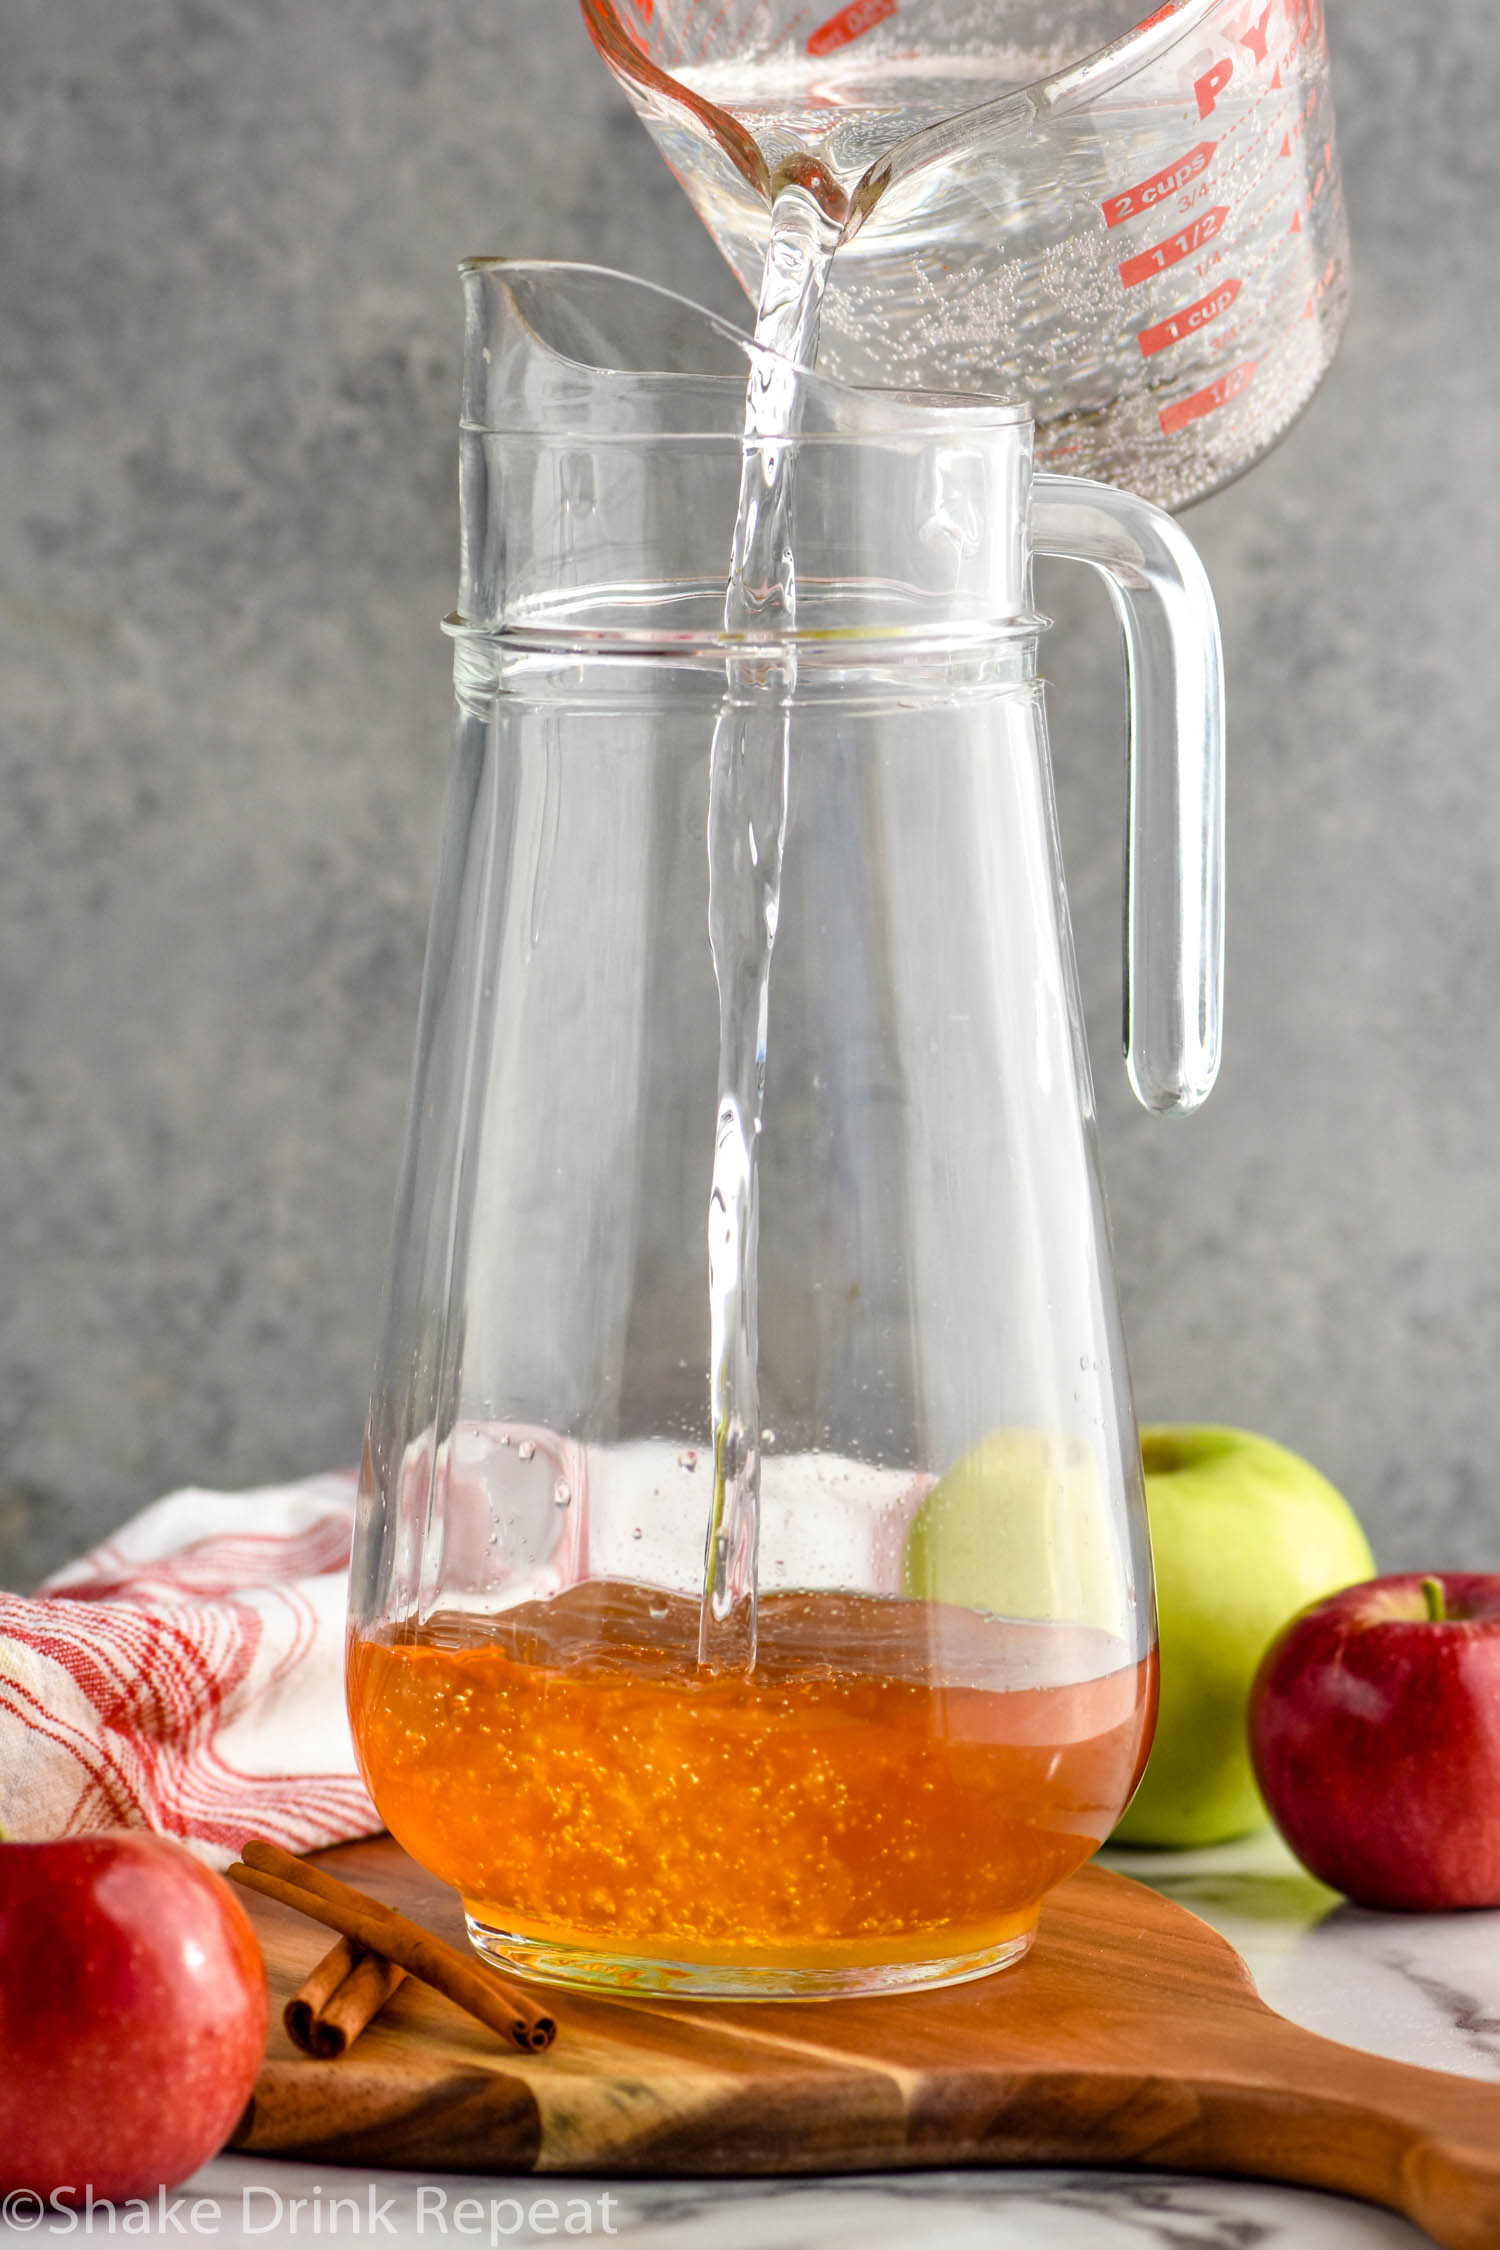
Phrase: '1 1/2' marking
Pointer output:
(1176, 247)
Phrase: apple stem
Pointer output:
(1432, 1594)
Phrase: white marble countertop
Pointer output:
(1425, 1989)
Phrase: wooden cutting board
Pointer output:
(1130, 2035)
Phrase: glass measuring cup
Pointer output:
(1135, 229)
(943, 1686)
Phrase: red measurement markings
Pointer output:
(1324, 176)
(1177, 417)
(1159, 16)
(1187, 320)
(1211, 85)
(1307, 24)
(1320, 289)
(1156, 260)
(1296, 134)
(850, 23)
(1256, 35)
(1146, 194)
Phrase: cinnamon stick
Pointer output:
(332, 2006)
(264, 1867)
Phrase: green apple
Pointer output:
(1019, 1525)
(1243, 1535)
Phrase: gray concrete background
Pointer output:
(228, 380)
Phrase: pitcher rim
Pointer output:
(917, 416)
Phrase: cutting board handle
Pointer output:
(1305, 2110)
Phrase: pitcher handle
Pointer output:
(1174, 849)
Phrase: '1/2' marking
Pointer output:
(1176, 247)
(1184, 410)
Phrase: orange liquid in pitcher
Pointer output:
(894, 1782)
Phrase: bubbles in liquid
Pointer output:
(983, 255)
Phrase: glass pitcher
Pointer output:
(847, 1732)
(1135, 227)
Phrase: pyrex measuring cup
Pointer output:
(944, 1686)
(1136, 230)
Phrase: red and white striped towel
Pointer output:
(187, 1676)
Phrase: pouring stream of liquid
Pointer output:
(747, 816)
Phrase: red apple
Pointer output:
(132, 2014)
(1375, 1734)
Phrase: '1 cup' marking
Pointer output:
(1187, 320)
